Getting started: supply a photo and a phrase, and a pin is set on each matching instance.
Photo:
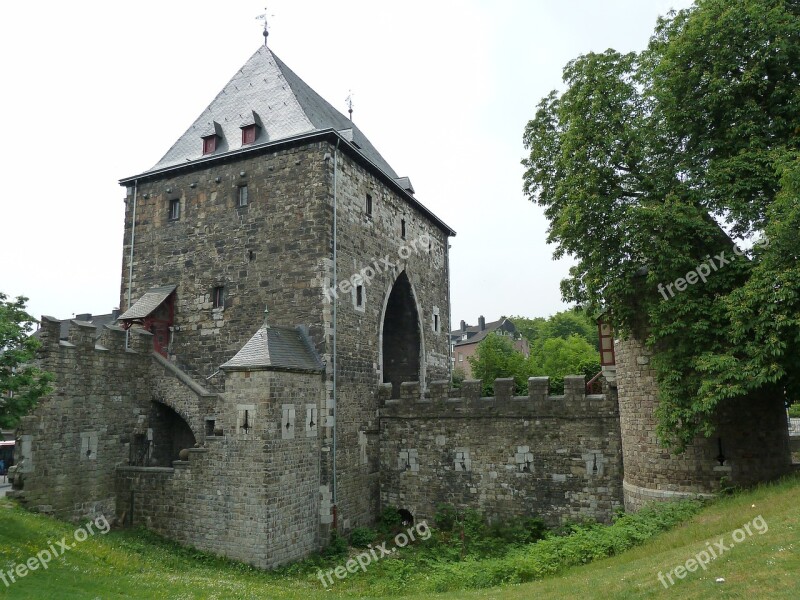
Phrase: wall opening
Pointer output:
(406, 517)
(171, 434)
(401, 336)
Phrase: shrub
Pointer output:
(337, 547)
(390, 521)
(580, 544)
(361, 537)
(445, 517)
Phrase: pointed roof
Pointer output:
(267, 93)
(276, 348)
(285, 104)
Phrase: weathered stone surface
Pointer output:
(251, 496)
(507, 456)
(278, 252)
(753, 434)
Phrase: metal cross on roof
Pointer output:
(349, 101)
(263, 17)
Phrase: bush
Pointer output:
(794, 411)
(361, 537)
(525, 530)
(390, 521)
(585, 543)
(474, 537)
(445, 517)
(337, 548)
(459, 375)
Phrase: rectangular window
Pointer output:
(218, 297)
(242, 195)
(436, 323)
(368, 206)
(460, 357)
(403, 228)
(359, 295)
(209, 144)
(248, 134)
(174, 209)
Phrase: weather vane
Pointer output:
(263, 17)
(349, 101)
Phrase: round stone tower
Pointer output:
(751, 442)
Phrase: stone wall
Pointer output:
(752, 437)
(80, 432)
(370, 241)
(553, 457)
(252, 493)
(278, 252)
(267, 253)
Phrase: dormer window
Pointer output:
(250, 126)
(209, 144)
(249, 134)
(210, 134)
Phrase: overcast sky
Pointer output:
(96, 91)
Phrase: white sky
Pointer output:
(96, 91)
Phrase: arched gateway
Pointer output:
(401, 336)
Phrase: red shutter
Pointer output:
(248, 134)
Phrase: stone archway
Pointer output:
(401, 336)
(170, 434)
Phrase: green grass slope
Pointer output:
(763, 563)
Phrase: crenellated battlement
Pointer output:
(82, 339)
(442, 400)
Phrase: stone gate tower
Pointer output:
(272, 198)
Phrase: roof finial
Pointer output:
(349, 101)
(263, 17)
(266, 312)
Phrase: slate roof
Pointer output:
(150, 301)
(278, 348)
(475, 333)
(268, 93)
(285, 105)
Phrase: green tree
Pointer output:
(458, 377)
(531, 329)
(559, 325)
(21, 384)
(651, 163)
(565, 356)
(496, 357)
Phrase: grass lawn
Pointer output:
(125, 564)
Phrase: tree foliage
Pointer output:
(562, 344)
(559, 356)
(651, 163)
(21, 384)
(496, 357)
(559, 325)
